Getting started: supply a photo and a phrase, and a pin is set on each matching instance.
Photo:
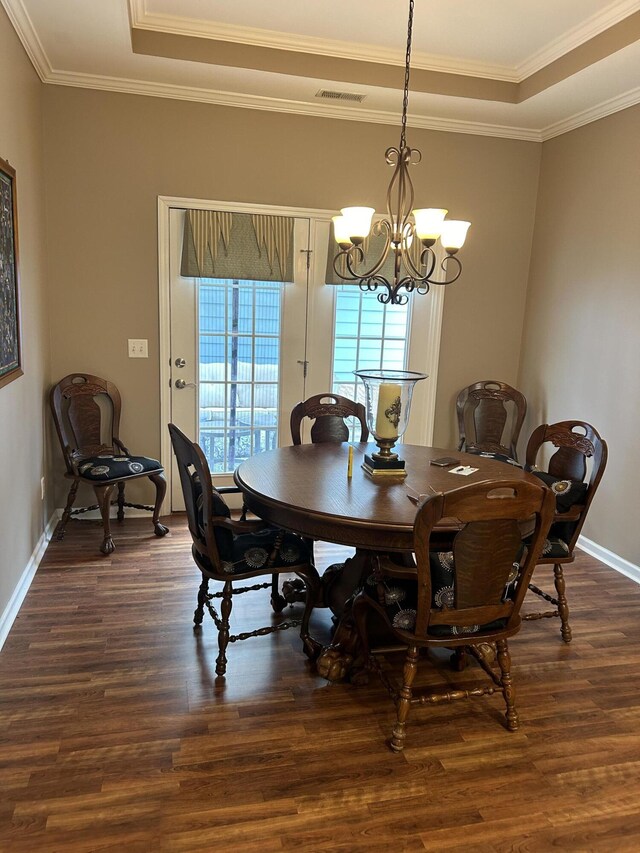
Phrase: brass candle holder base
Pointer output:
(376, 468)
(385, 463)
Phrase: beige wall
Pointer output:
(111, 155)
(22, 412)
(581, 356)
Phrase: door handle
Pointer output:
(180, 383)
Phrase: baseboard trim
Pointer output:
(626, 568)
(22, 588)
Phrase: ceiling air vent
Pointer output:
(340, 96)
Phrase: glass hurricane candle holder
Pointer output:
(388, 396)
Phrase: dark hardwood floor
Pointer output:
(116, 735)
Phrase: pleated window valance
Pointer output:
(253, 247)
(372, 247)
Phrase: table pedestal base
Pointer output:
(343, 657)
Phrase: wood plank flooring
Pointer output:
(116, 735)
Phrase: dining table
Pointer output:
(309, 490)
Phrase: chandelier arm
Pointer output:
(346, 254)
(356, 275)
(444, 266)
(427, 260)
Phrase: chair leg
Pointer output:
(458, 659)
(66, 515)
(223, 632)
(161, 487)
(508, 691)
(198, 615)
(310, 646)
(121, 501)
(103, 496)
(563, 607)
(278, 601)
(404, 700)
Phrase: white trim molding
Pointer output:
(22, 588)
(625, 567)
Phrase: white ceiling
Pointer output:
(88, 43)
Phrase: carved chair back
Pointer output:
(328, 412)
(572, 445)
(86, 412)
(487, 584)
(490, 417)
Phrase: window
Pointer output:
(367, 334)
(239, 365)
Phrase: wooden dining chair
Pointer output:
(330, 413)
(573, 446)
(227, 550)
(86, 412)
(464, 599)
(490, 416)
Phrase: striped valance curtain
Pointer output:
(372, 247)
(246, 246)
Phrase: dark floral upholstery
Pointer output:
(248, 551)
(116, 466)
(399, 595)
(568, 492)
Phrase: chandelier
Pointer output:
(414, 264)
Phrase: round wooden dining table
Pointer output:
(306, 489)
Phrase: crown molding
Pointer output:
(607, 108)
(591, 28)
(259, 102)
(23, 26)
(357, 51)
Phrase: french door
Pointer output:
(237, 356)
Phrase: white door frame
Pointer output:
(427, 348)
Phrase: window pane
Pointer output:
(237, 416)
(368, 334)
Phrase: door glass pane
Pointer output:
(368, 335)
(239, 346)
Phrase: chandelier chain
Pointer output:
(407, 69)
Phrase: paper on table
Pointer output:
(464, 470)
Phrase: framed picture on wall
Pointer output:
(10, 358)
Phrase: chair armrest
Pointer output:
(228, 490)
(391, 569)
(574, 513)
(240, 526)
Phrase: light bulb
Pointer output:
(454, 232)
(340, 232)
(357, 222)
(429, 223)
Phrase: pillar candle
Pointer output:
(390, 393)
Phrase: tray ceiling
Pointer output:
(526, 69)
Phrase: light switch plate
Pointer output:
(138, 348)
